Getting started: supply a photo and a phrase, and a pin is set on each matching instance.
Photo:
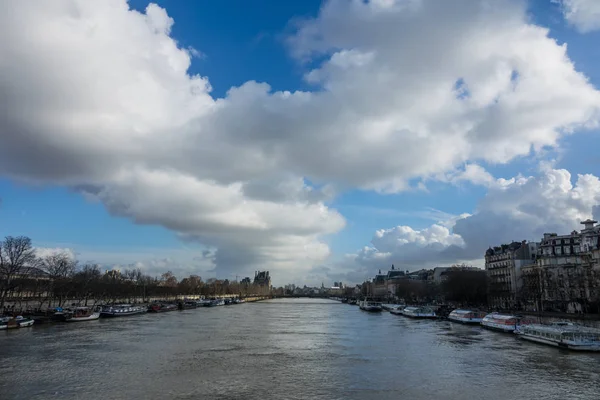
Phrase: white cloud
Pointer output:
(97, 97)
(42, 252)
(583, 14)
(472, 173)
(521, 208)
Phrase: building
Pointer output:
(503, 268)
(568, 270)
(420, 275)
(246, 281)
(262, 279)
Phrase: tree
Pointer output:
(468, 287)
(60, 267)
(16, 254)
(86, 282)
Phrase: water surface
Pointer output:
(285, 349)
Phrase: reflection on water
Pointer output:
(285, 349)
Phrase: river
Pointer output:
(285, 349)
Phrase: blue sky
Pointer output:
(240, 41)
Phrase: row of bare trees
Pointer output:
(461, 286)
(57, 279)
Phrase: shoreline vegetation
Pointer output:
(28, 281)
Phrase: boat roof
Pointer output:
(463, 311)
(500, 316)
(561, 328)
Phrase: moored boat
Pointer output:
(187, 305)
(502, 322)
(399, 310)
(369, 305)
(13, 323)
(466, 316)
(81, 314)
(161, 307)
(122, 310)
(219, 302)
(562, 334)
(419, 312)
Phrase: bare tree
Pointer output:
(60, 267)
(16, 254)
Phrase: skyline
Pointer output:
(319, 141)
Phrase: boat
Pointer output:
(352, 302)
(202, 302)
(122, 310)
(466, 316)
(219, 302)
(502, 322)
(399, 310)
(162, 307)
(13, 323)
(228, 302)
(80, 314)
(562, 334)
(419, 312)
(209, 303)
(369, 305)
(187, 305)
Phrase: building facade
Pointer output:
(503, 266)
(568, 270)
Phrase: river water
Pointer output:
(285, 349)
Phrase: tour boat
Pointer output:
(368, 305)
(122, 310)
(80, 314)
(161, 307)
(466, 316)
(502, 322)
(562, 334)
(418, 312)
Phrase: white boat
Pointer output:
(562, 334)
(419, 312)
(368, 305)
(219, 302)
(502, 322)
(466, 316)
(397, 310)
(122, 310)
(18, 322)
(80, 314)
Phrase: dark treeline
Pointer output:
(461, 287)
(58, 279)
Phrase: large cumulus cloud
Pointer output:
(98, 97)
(521, 208)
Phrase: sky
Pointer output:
(319, 140)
